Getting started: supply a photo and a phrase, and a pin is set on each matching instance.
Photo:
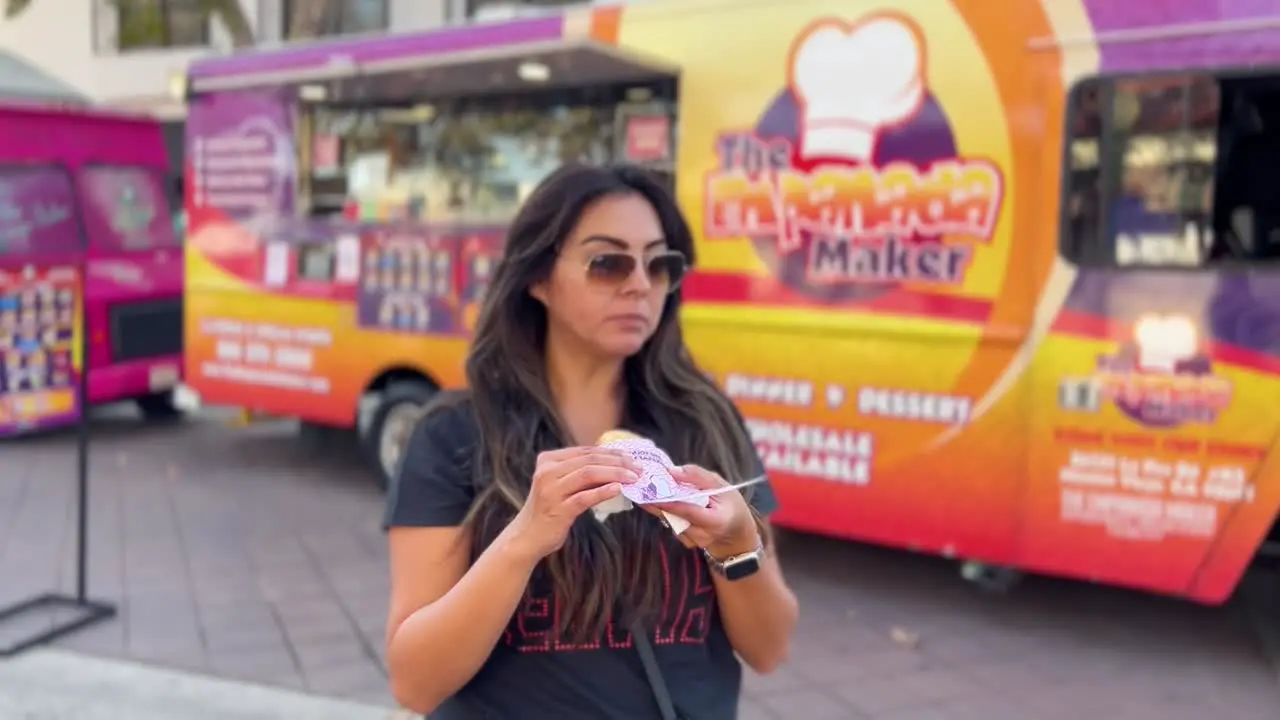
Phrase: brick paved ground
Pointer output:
(248, 554)
(57, 684)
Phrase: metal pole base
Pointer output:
(85, 614)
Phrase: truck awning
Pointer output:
(481, 59)
(543, 66)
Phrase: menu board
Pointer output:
(38, 370)
(480, 250)
(241, 158)
(643, 133)
(407, 282)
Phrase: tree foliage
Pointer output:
(151, 22)
(14, 8)
(232, 16)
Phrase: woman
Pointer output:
(509, 599)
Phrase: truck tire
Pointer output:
(393, 419)
(158, 407)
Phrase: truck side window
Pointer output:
(1083, 200)
(38, 211)
(1164, 135)
(1246, 214)
(127, 207)
(1140, 171)
(1174, 171)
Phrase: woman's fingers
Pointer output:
(570, 474)
(700, 478)
(697, 516)
(581, 477)
(562, 461)
(555, 463)
(584, 500)
(590, 476)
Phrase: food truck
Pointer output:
(992, 280)
(90, 268)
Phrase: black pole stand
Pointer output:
(68, 613)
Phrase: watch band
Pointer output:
(718, 565)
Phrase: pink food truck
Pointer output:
(90, 267)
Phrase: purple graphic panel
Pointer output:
(361, 51)
(240, 153)
(1237, 307)
(1190, 49)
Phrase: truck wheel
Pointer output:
(391, 423)
(158, 407)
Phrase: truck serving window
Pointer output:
(456, 161)
(1168, 171)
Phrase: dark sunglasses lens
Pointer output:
(668, 269)
(611, 267)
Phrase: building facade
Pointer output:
(133, 55)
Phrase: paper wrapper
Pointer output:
(655, 485)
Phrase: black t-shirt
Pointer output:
(530, 674)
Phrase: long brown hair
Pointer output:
(668, 398)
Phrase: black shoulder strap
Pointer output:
(651, 670)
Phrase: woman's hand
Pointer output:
(724, 528)
(567, 483)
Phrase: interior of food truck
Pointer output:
(1170, 171)
(466, 138)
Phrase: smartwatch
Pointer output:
(737, 567)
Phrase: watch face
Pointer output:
(746, 567)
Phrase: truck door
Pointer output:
(1149, 430)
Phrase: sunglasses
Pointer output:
(615, 268)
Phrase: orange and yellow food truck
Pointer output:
(994, 280)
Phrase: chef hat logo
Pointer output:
(1164, 341)
(854, 80)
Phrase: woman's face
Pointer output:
(612, 278)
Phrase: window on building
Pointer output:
(148, 24)
(502, 9)
(1172, 171)
(305, 19)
